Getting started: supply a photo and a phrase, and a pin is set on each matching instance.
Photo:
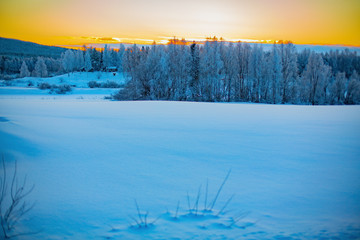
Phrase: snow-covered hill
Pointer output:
(294, 169)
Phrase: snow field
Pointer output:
(294, 169)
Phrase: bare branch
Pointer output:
(13, 206)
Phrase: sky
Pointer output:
(77, 22)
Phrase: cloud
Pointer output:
(102, 39)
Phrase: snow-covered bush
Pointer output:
(108, 84)
(44, 86)
(111, 84)
(94, 84)
(62, 89)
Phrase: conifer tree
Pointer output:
(88, 65)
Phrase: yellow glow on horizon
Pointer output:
(66, 22)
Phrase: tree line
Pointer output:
(239, 72)
(90, 59)
(215, 71)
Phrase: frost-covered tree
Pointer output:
(256, 74)
(120, 56)
(134, 70)
(182, 91)
(2, 64)
(114, 58)
(352, 95)
(243, 52)
(106, 56)
(338, 88)
(276, 76)
(24, 71)
(177, 59)
(218, 71)
(156, 68)
(40, 69)
(302, 60)
(194, 86)
(88, 65)
(68, 61)
(95, 58)
(289, 72)
(315, 77)
(79, 63)
(53, 65)
(211, 67)
(230, 60)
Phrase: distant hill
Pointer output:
(13, 47)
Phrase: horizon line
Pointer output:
(167, 40)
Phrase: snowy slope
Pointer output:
(294, 169)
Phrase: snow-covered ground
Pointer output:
(20, 89)
(79, 94)
(77, 79)
(294, 169)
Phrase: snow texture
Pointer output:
(97, 165)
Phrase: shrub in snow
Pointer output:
(208, 206)
(8, 82)
(142, 221)
(205, 213)
(7, 77)
(111, 84)
(123, 95)
(108, 84)
(62, 89)
(93, 84)
(44, 86)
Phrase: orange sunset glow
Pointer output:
(77, 22)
